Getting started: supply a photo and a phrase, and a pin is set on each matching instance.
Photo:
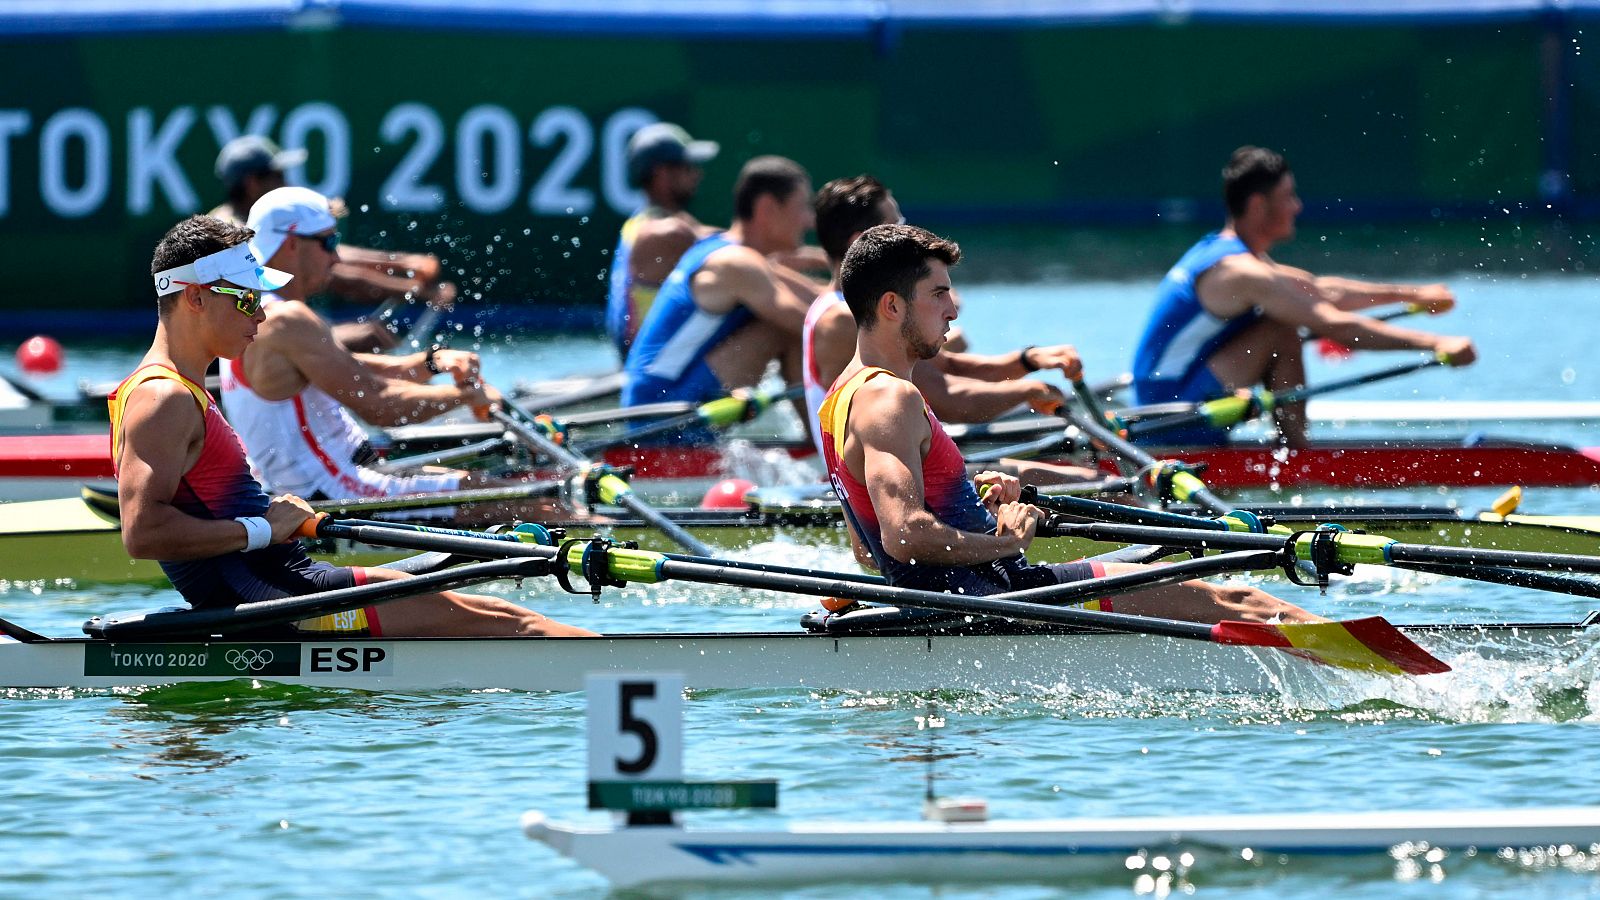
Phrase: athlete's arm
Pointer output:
(461, 365)
(307, 343)
(736, 276)
(998, 367)
(163, 433)
(891, 434)
(657, 247)
(956, 399)
(1241, 282)
(1352, 295)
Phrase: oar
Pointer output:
(1230, 411)
(1370, 644)
(106, 501)
(611, 487)
(1328, 548)
(249, 616)
(1170, 479)
(435, 500)
(717, 414)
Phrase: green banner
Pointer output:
(190, 660)
(656, 796)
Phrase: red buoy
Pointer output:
(727, 494)
(40, 355)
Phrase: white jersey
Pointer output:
(308, 444)
(816, 391)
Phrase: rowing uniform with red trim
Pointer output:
(311, 446)
(947, 492)
(816, 391)
(219, 486)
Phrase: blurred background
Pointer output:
(1055, 139)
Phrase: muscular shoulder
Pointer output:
(887, 406)
(836, 322)
(162, 406)
(292, 325)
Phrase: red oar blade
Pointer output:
(1367, 645)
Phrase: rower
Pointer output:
(251, 165)
(187, 496)
(913, 513)
(726, 311)
(1227, 317)
(666, 164)
(296, 393)
(959, 387)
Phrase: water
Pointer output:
(262, 790)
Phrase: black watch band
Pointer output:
(427, 360)
(1027, 364)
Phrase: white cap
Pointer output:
(288, 210)
(238, 265)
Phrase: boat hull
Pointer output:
(1022, 659)
(1046, 850)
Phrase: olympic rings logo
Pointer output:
(249, 659)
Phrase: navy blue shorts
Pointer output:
(278, 571)
(1000, 578)
(1200, 386)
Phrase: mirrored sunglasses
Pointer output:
(244, 299)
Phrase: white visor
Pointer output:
(235, 265)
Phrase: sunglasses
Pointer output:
(244, 299)
(329, 241)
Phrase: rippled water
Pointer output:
(262, 790)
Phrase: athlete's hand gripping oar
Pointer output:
(1230, 411)
(611, 486)
(716, 414)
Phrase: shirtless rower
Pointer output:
(1228, 317)
(726, 311)
(959, 387)
(251, 165)
(913, 513)
(298, 398)
(666, 164)
(188, 499)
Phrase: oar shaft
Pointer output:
(666, 526)
(718, 413)
(1186, 487)
(224, 620)
(438, 499)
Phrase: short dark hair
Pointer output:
(188, 241)
(775, 175)
(846, 207)
(889, 258)
(1251, 170)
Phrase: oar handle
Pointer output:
(310, 527)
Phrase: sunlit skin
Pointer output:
(888, 435)
(1270, 353)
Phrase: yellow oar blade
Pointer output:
(1366, 645)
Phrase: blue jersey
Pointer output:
(667, 360)
(1181, 335)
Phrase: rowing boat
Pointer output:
(1041, 850)
(1004, 657)
(81, 539)
(45, 466)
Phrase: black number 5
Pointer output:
(633, 690)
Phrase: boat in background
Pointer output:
(1046, 851)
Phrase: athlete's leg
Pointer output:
(741, 359)
(1271, 354)
(1200, 601)
(455, 614)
